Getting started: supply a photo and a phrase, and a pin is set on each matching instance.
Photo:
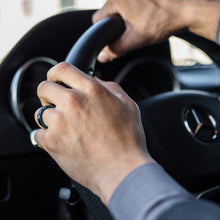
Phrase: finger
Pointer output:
(126, 42)
(46, 117)
(68, 74)
(106, 55)
(107, 10)
(122, 45)
(39, 137)
(50, 93)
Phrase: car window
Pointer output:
(186, 54)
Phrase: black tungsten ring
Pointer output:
(40, 113)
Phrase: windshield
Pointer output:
(18, 16)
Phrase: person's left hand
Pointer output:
(94, 132)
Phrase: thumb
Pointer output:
(106, 55)
(104, 12)
(125, 43)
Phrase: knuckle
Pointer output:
(40, 87)
(59, 68)
(113, 85)
(119, 95)
(93, 88)
(133, 105)
(70, 99)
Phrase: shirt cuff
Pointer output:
(146, 193)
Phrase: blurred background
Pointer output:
(18, 16)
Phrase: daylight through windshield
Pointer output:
(18, 16)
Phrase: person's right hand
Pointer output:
(94, 132)
(152, 21)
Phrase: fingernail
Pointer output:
(103, 57)
(33, 141)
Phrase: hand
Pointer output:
(94, 132)
(152, 21)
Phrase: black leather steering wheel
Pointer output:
(182, 128)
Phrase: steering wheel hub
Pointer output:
(201, 124)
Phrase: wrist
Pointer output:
(203, 17)
(115, 173)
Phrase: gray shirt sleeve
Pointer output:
(146, 193)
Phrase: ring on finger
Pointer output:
(40, 113)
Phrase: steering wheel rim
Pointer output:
(84, 52)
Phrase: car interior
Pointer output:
(180, 109)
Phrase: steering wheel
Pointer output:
(182, 128)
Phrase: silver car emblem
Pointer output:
(200, 124)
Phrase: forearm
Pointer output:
(203, 17)
(198, 16)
